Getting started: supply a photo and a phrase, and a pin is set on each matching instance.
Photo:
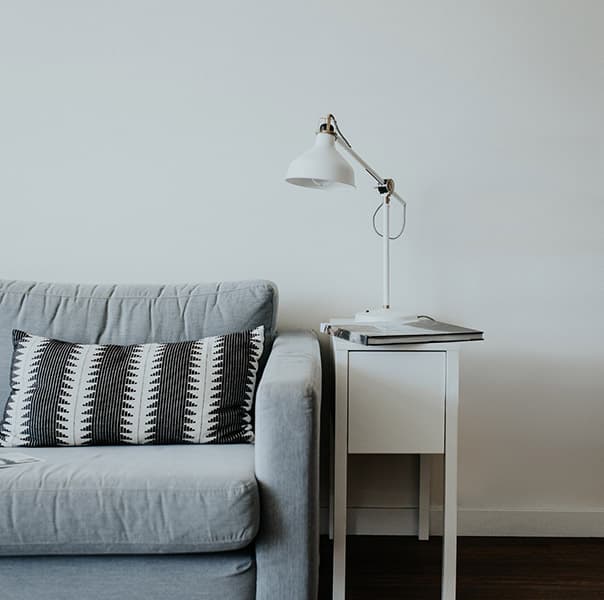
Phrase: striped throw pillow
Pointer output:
(66, 394)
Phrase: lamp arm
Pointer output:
(367, 167)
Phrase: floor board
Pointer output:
(402, 568)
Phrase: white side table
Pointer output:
(396, 399)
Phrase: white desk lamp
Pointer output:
(322, 167)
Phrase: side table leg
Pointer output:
(450, 483)
(331, 471)
(340, 476)
(425, 461)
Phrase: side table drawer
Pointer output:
(396, 402)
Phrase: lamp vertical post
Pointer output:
(386, 252)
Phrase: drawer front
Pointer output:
(396, 402)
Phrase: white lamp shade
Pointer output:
(321, 167)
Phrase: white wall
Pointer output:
(147, 141)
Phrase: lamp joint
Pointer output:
(387, 187)
(327, 128)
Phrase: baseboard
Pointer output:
(530, 523)
(479, 522)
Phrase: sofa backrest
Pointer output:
(130, 314)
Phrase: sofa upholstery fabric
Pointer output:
(130, 500)
(288, 406)
(218, 576)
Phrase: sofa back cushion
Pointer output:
(118, 500)
(131, 314)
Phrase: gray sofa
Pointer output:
(181, 522)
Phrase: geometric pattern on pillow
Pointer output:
(66, 394)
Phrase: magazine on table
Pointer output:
(423, 330)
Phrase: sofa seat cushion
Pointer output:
(129, 500)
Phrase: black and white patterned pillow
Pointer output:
(65, 394)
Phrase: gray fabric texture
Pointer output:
(287, 469)
(131, 314)
(220, 576)
(129, 500)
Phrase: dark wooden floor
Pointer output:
(402, 568)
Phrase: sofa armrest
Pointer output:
(288, 404)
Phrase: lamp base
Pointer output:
(376, 315)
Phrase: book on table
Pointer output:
(422, 330)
